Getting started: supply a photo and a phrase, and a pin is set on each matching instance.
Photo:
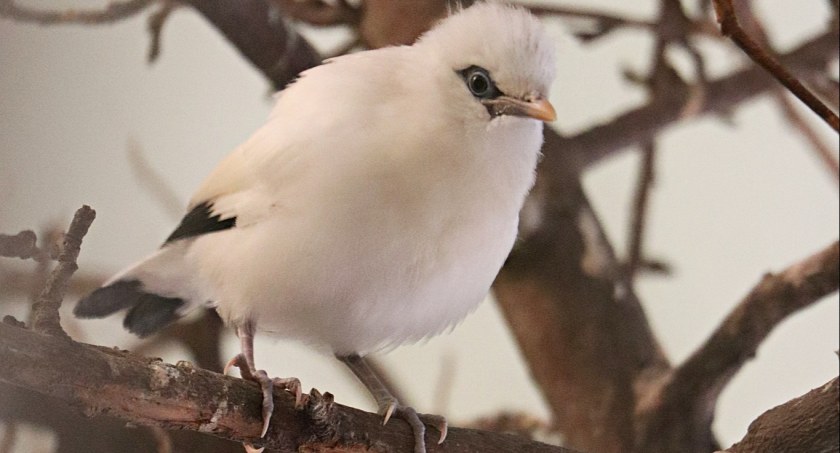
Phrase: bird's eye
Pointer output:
(479, 82)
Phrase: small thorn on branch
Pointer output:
(45, 317)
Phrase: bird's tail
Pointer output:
(156, 291)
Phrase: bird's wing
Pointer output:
(233, 194)
(306, 130)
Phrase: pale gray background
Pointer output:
(731, 201)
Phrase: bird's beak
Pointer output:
(533, 106)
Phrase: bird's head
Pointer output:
(500, 55)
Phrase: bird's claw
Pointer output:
(388, 410)
(267, 384)
(417, 422)
(292, 385)
(239, 361)
(437, 422)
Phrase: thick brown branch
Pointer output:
(691, 391)
(396, 22)
(774, 298)
(149, 392)
(562, 291)
(256, 29)
(807, 423)
(45, 318)
(729, 27)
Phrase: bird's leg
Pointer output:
(388, 405)
(245, 362)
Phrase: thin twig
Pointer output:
(155, 24)
(21, 245)
(640, 204)
(752, 25)
(729, 27)
(824, 152)
(826, 87)
(150, 179)
(113, 12)
(723, 94)
(45, 317)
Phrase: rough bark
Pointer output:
(144, 391)
(810, 423)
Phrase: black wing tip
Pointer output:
(200, 220)
(147, 313)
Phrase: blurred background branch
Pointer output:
(570, 302)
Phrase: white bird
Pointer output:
(374, 208)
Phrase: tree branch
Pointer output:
(690, 392)
(721, 95)
(635, 253)
(807, 423)
(45, 318)
(21, 245)
(729, 27)
(263, 37)
(824, 152)
(562, 290)
(149, 392)
(776, 297)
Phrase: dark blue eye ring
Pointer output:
(479, 82)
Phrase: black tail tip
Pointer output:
(147, 313)
(109, 299)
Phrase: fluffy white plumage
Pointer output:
(380, 199)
